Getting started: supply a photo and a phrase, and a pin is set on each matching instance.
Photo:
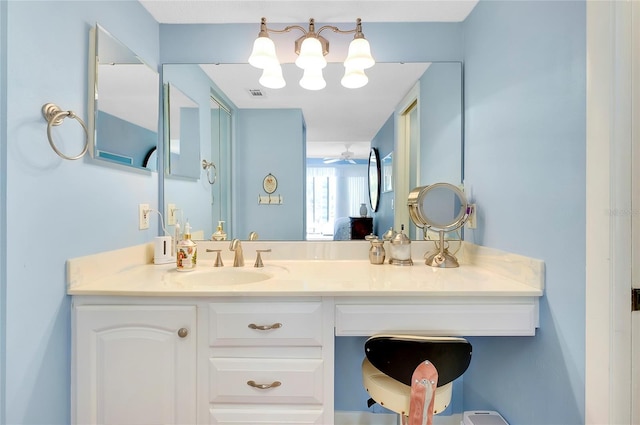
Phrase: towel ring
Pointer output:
(206, 165)
(54, 116)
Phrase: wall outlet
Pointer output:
(471, 221)
(143, 216)
(171, 214)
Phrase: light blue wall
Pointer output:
(3, 202)
(525, 82)
(441, 124)
(525, 94)
(270, 141)
(57, 209)
(391, 42)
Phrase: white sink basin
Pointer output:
(222, 276)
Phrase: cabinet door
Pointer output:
(134, 365)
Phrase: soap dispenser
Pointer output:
(219, 234)
(186, 255)
(401, 249)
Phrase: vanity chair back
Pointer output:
(391, 361)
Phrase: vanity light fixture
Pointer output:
(311, 49)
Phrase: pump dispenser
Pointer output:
(220, 234)
(187, 251)
(401, 249)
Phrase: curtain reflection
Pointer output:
(334, 193)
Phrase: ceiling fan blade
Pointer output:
(331, 160)
(351, 161)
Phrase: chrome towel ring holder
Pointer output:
(54, 116)
(207, 166)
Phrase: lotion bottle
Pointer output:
(186, 254)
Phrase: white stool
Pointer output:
(392, 359)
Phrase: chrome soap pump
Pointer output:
(401, 249)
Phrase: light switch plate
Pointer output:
(171, 214)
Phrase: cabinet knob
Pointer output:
(274, 384)
(265, 327)
(183, 332)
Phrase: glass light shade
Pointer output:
(354, 78)
(263, 54)
(272, 78)
(311, 54)
(359, 56)
(312, 79)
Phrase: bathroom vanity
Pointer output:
(247, 345)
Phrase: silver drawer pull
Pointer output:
(274, 384)
(265, 327)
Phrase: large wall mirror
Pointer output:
(269, 137)
(123, 103)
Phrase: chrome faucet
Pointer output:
(238, 259)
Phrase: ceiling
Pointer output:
(326, 11)
(336, 117)
(331, 123)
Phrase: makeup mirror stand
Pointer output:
(440, 207)
(441, 256)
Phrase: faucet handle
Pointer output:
(218, 262)
(259, 258)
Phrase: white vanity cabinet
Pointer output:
(267, 362)
(134, 364)
(202, 361)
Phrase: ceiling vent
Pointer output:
(256, 93)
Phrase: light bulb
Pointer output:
(263, 54)
(311, 55)
(359, 54)
(312, 79)
(272, 78)
(354, 78)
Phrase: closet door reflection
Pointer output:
(221, 156)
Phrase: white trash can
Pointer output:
(482, 417)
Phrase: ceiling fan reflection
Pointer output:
(346, 156)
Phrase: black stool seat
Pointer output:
(398, 355)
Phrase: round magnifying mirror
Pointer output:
(441, 207)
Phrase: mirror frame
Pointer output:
(374, 179)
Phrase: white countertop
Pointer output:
(307, 269)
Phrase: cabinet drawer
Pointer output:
(300, 381)
(267, 323)
(491, 318)
(265, 417)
